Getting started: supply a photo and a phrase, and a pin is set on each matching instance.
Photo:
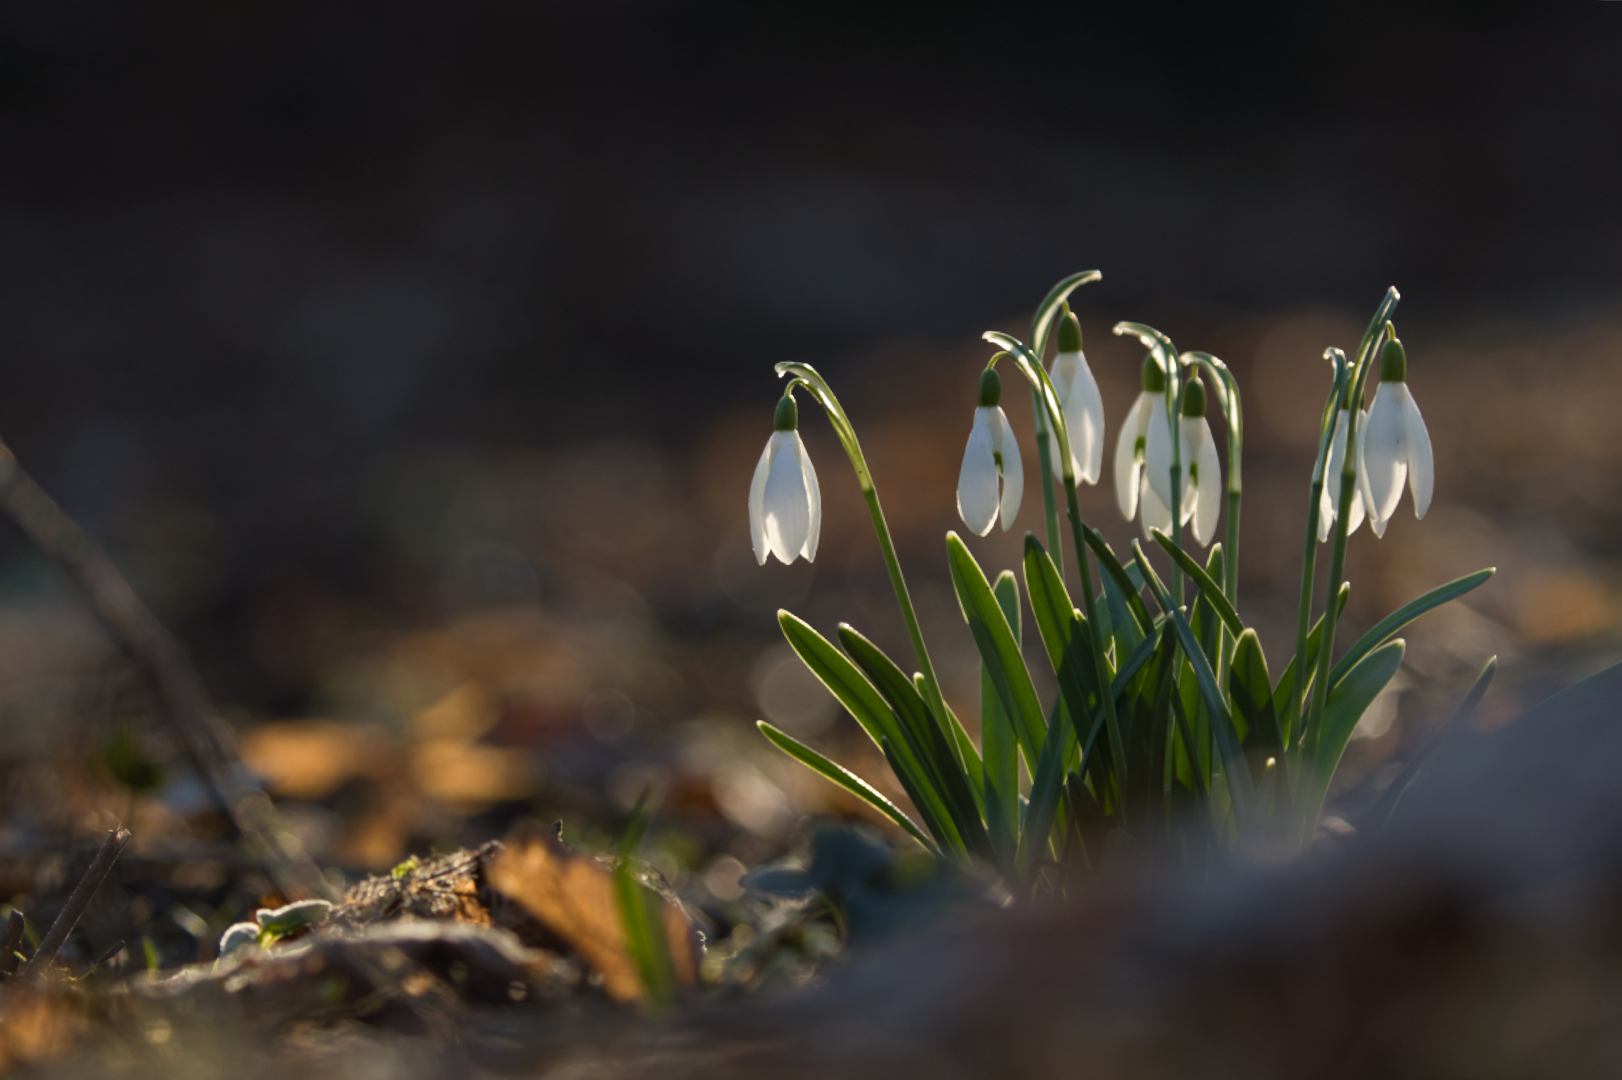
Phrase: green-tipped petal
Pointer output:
(1012, 469)
(1128, 457)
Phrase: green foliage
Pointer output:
(1168, 732)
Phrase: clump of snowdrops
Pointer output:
(1169, 730)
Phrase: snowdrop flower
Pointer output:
(992, 455)
(1395, 444)
(1083, 407)
(785, 503)
(1329, 500)
(1201, 473)
(1130, 445)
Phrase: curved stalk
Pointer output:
(818, 387)
(1290, 722)
(1165, 354)
(1042, 385)
(1379, 326)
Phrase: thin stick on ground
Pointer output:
(187, 707)
(83, 893)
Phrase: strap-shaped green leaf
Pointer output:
(1233, 756)
(1392, 625)
(965, 747)
(1286, 681)
(998, 649)
(1121, 577)
(864, 702)
(845, 779)
(920, 739)
(842, 678)
(1345, 706)
(1208, 586)
(1001, 745)
(1050, 600)
(1252, 694)
(1047, 784)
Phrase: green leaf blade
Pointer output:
(846, 779)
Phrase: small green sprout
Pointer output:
(270, 925)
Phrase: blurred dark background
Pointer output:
(397, 350)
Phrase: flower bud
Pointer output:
(1393, 362)
(1069, 333)
(1154, 380)
(1194, 398)
(990, 389)
(788, 414)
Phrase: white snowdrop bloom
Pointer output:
(1395, 445)
(1329, 500)
(785, 503)
(992, 479)
(1132, 443)
(1080, 401)
(1200, 473)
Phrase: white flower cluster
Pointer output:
(1393, 446)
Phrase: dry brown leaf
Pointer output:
(310, 759)
(574, 897)
(38, 1026)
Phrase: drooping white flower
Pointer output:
(1080, 401)
(785, 503)
(1396, 445)
(1132, 443)
(1329, 500)
(1200, 472)
(992, 480)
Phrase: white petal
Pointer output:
(977, 479)
(1083, 415)
(757, 505)
(1155, 514)
(1359, 499)
(1013, 469)
(813, 491)
(788, 507)
(1329, 504)
(1194, 430)
(1379, 526)
(1385, 451)
(1329, 501)
(1157, 453)
(1208, 506)
(1363, 495)
(1421, 463)
(1128, 462)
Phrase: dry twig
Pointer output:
(188, 708)
(83, 893)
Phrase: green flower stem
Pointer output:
(1378, 327)
(1037, 376)
(1290, 722)
(1226, 391)
(1166, 357)
(1101, 670)
(1044, 456)
(808, 376)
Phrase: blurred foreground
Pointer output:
(529, 636)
